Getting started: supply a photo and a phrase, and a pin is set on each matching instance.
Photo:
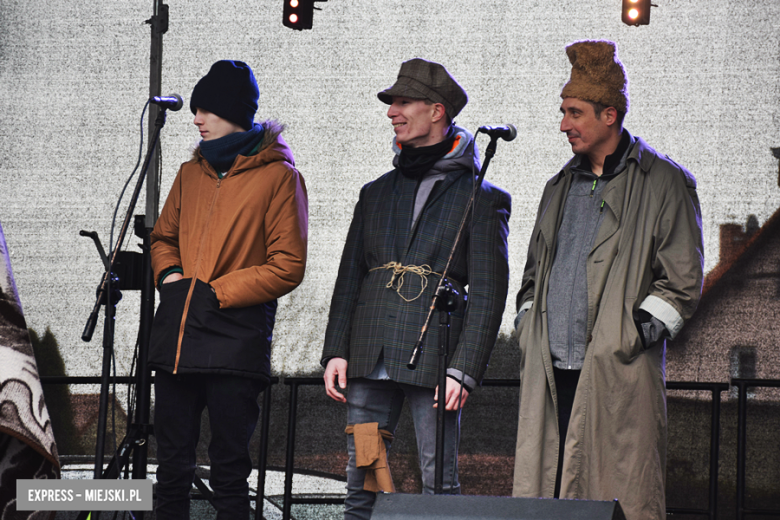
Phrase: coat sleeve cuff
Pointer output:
(324, 361)
(469, 382)
(169, 271)
(664, 312)
(521, 312)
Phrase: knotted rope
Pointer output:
(400, 270)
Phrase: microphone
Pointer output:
(173, 102)
(506, 132)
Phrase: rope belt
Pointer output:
(400, 270)
(371, 455)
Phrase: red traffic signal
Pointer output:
(636, 12)
(298, 14)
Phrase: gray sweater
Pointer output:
(567, 296)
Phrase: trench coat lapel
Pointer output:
(618, 191)
(551, 218)
(614, 198)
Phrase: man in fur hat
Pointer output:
(230, 240)
(614, 268)
(398, 244)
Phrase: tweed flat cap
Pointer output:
(422, 79)
(597, 74)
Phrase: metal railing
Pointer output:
(289, 467)
(716, 389)
(742, 388)
(712, 500)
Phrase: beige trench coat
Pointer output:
(648, 249)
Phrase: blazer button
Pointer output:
(590, 338)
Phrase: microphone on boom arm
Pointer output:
(173, 102)
(505, 132)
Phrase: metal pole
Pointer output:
(143, 373)
(159, 23)
(262, 460)
(714, 453)
(289, 467)
(741, 447)
(159, 26)
(444, 336)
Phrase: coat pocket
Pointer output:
(630, 345)
(166, 324)
(232, 340)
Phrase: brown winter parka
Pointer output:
(241, 242)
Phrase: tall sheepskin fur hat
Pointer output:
(597, 74)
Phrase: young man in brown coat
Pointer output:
(614, 268)
(230, 240)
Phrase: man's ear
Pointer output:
(609, 115)
(439, 112)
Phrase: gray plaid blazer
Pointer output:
(368, 318)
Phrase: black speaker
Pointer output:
(397, 506)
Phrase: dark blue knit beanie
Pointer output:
(230, 91)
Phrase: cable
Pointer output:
(132, 174)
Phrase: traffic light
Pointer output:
(298, 14)
(636, 12)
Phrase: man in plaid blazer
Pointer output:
(402, 230)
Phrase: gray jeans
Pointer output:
(370, 400)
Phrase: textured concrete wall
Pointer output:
(704, 84)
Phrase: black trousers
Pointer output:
(566, 386)
(233, 413)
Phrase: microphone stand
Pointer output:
(445, 299)
(108, 294)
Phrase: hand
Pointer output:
(451, 396)
(173, 277)
(336, 369)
